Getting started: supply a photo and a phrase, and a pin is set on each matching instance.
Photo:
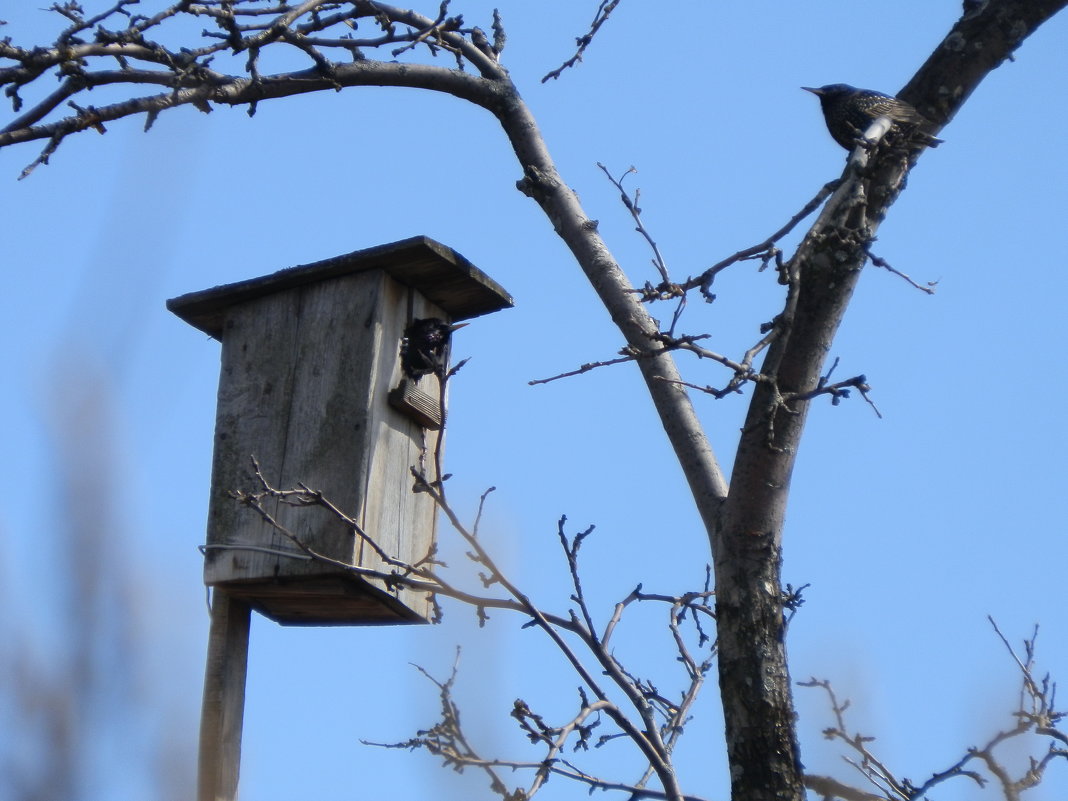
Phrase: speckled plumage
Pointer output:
(849, 111)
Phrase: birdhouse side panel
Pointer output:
(255, 391)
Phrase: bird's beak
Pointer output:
(456, 326)
(814, 91)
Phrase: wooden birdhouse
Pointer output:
(312, 387)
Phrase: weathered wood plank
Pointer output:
(255, 388)
(336, 348)
(404, 520)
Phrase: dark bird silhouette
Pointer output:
(425, 347)
(849, 112)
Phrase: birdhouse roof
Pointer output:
(441, 274)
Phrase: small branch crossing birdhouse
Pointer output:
(312, 386)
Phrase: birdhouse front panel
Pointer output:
(398, 518)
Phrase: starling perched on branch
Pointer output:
(849, 112)
(425, 347)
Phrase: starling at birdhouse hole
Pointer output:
(849, 112)
(425, 347)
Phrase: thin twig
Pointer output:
(603, 11)
(929, 287)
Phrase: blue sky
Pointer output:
(911, 529)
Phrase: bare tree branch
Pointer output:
(604, 10)
(660, 721)
(1035, 716)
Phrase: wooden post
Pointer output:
(223, 711)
